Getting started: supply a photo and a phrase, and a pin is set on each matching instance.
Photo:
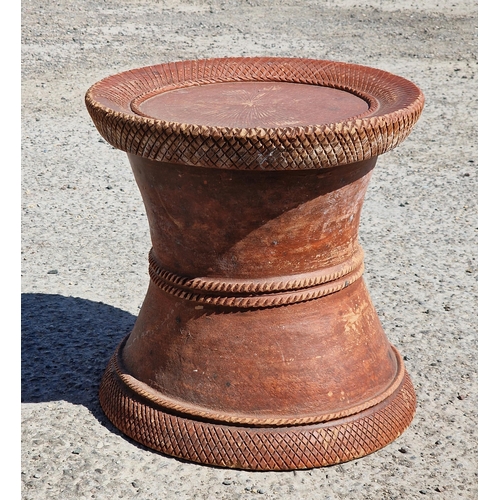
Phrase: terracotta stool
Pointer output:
(257, 346)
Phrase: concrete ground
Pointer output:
(85, 239)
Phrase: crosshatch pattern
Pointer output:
(268, 448)
(396, 105)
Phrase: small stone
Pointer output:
(77, 451)
(135, 483)
(439, 489)
(447, 307)
(36, 476)
(403, 450)
(261, 491)
(438, 442)
(461, 397)
(423, 492)
(226, 482)
(53, 271)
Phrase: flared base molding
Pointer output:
(256, 448)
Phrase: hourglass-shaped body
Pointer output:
(257, 345)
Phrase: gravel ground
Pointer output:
(85, 239)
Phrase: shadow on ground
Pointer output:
(66, 343)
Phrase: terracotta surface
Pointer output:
(251, 104)
(257, 345)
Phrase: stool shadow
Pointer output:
(66, 343)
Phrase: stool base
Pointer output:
(256, 448)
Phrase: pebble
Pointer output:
(226, 482)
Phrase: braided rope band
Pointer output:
(258, 293)
(395, 105)
(153, 396)
(257, 448)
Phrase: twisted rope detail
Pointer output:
(258, 293)
(167, 403)
(257, 448)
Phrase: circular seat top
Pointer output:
(255, 113)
